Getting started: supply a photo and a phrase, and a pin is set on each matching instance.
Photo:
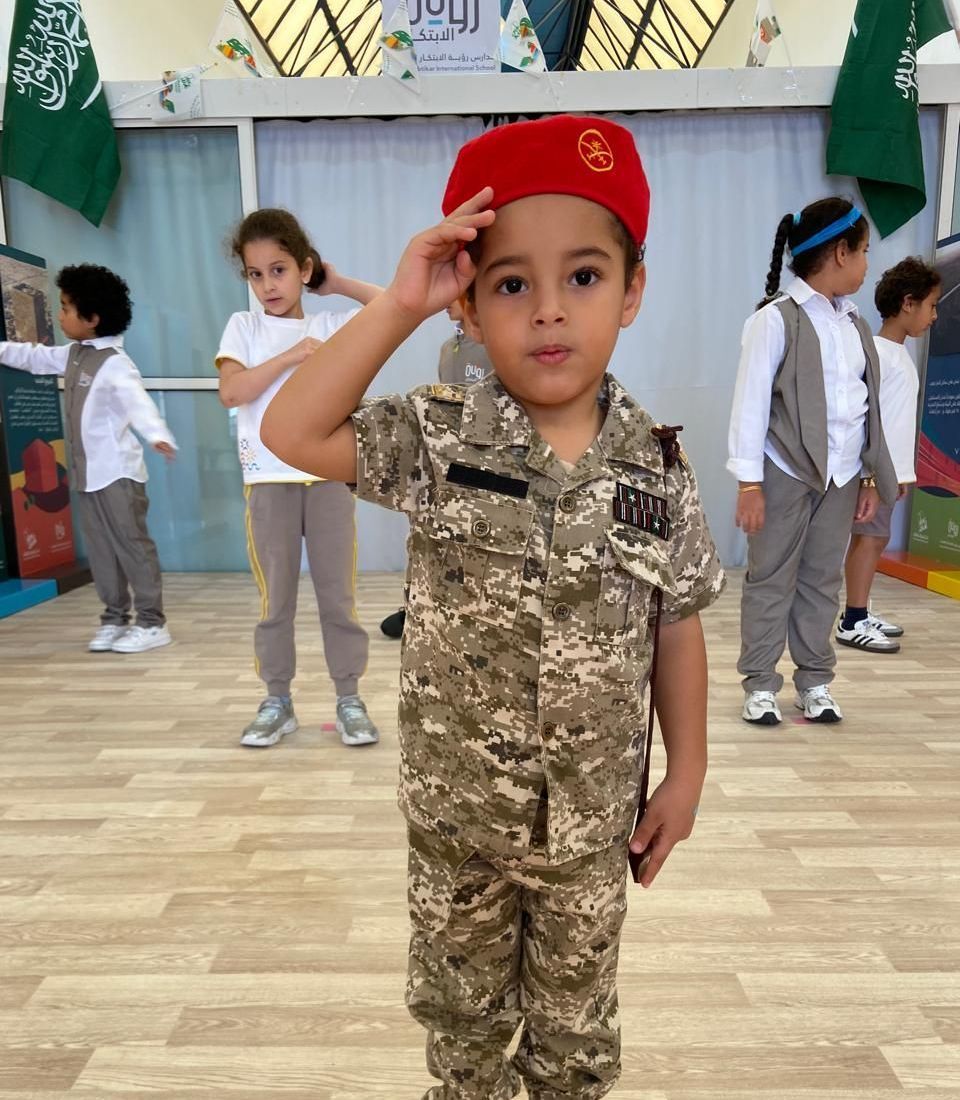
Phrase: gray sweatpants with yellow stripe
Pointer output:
(280, 518)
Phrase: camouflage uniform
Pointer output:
(525, 655)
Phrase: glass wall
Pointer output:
(165, 233)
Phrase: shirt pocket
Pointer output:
(632, 567)
(481, 547)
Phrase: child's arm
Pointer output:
(308, 423)
(239, 385)
(35, 358)
(144, 415)
(335, 283)
(681, 706)
(763, 346)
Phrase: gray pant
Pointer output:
(794, 570)
(121, 553)
(279, 517)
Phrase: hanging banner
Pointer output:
(180, 97)
(935, 513)
(766, 30)
(234, 40)
(452, 36)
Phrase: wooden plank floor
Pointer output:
(184, 919)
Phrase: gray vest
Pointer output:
(83, 364)
(798, 406)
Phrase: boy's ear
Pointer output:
(634, 295)
(94, 320)
(471, 323)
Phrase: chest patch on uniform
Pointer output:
(642, 510)
(84, 379)
(475, 478)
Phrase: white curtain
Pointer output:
(720, 183)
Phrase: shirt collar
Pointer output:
(101, 342)
(492, 417)
(801, 292)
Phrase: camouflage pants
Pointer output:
(497, 943)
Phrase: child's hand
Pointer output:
(168, 452)
(867, 503)
(669, 817)
(307, 346)
(903, 487)
(330, 282)
(434, 269)
(751, 509)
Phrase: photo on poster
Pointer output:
(23, 292)
(935, 516)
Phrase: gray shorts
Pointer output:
(879, 526)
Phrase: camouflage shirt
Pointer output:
(527, 642)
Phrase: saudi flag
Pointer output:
(875, 133)
(57, 133)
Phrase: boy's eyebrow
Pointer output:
(586, 253)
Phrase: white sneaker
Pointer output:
(818, 705)
(138, 639)
(888, 629)
(864, 635)
(102, 641)
(760, 707)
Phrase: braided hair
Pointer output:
(793, 231)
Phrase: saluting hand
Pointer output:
(434, 268)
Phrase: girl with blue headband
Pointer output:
(807, 449)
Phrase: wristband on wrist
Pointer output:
(868, 482)
(750, 489)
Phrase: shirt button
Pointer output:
(568, 503)
(547, 730)
(561, 612)
(481, 528)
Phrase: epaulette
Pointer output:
(669, 444)
(441, 391)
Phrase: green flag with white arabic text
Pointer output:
(875, 131)
(57, 133)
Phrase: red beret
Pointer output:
(591, 158)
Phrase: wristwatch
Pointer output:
(868, 482)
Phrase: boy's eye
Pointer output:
(586, 276)
(513, 284)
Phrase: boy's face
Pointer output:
(74, 326)
(276, 277)
(549, 298)
(919, 315)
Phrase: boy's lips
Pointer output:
(551, 353)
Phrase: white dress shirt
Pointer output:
(117, 402)
(844, 366)
(899, 390)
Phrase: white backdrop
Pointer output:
(720, 183)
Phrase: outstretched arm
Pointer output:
(35, 358)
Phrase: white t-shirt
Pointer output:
(899, 389)
(252, 339)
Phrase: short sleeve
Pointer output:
(393, 468)
(699, 578)
(235, 341)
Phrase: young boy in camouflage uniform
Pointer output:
(543, 518)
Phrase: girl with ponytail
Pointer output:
(287, 507)
(808, 453)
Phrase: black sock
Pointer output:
(852, 616)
